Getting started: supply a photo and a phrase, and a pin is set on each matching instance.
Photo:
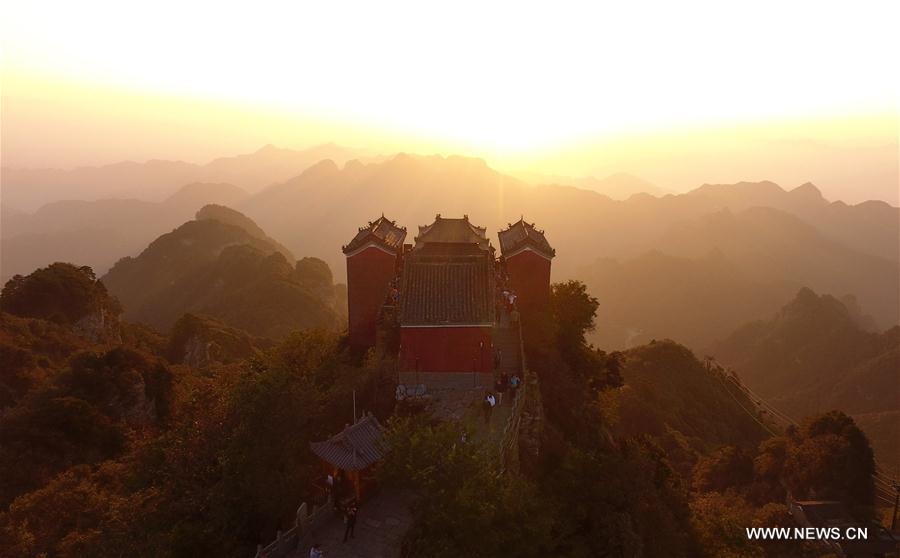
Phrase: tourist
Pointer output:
(316, 551)
(498, 358)
(350, 520)
(514, 385)
(500, 385)
(488, 407)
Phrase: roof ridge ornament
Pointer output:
(382, 231)
(519, 235)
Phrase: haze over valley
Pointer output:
(425, 280)
(759, 239)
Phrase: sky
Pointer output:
(677, 92)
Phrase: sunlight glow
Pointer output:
(499, 76)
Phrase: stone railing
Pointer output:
(290, 541)
(509, 439)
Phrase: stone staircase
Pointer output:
(506, 338)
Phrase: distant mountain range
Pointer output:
(26, 190)
(618, 186)
(770, 238)
(97, 233)
(621, 186)
(694, 301)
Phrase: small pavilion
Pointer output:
(352, 456)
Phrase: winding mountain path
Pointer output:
(380, 526)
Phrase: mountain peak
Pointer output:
(621, 186)
(268, 148)
(763, 186)
(807, 192)
(230, 216)
(323, 168)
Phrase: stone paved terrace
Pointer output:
(381, 525)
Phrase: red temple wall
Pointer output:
(529, 278)
(446, 349)
(368, 274)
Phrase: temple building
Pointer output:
(527, 256)
(447, 303)
(443, 293)
(373, 257)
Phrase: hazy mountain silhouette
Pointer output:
(29, 189)
(771, 235)
(313, 212)
(872, 227)
(97, 233)
(770, 245)
(693, 301)
(816, 354)
(221, 269)
(620, 186)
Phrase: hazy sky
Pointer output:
(678, 92)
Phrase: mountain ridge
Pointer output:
(224, 266)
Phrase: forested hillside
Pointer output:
(196, 442)
(223, 265)
(819, 353)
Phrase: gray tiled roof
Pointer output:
(447, 285)
(357, 447)
(381, 231)
(522, 233)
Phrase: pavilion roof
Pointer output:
(355, 448)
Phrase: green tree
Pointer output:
(573, 313)
(60, 292)
(829, 457)
(50, 434)
(620, 501)
(465, 507)
(727, 467)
